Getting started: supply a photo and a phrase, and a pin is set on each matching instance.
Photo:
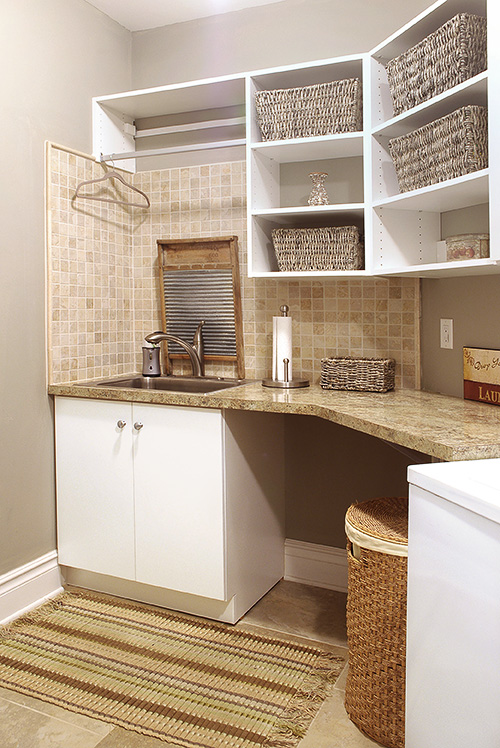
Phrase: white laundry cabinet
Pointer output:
(185, 499)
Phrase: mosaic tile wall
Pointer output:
(368, 317)
(90, 289)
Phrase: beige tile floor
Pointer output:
(290, 609)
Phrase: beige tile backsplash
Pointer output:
(90, 276)
(103, 292)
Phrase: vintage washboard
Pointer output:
(200, 279)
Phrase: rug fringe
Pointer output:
(33, 616)
(322, 675)
(303, 706)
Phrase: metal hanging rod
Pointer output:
(172, 149)
(189, 127)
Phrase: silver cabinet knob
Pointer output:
(121, 424)
(138, 425)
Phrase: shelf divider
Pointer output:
(484, 266)
(343, 145)
(461, 192)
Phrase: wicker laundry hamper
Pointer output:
(377, 532)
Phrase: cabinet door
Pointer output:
(179, 499)
(95, 518)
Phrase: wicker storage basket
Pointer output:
(362, 374)
(449, 147)
(321, 109)
(329, 248)
(377, 532)
(449, 56)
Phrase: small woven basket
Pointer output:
(320, 109)
(377, 546)
(361, 374)
(329, 248)
(449, 56)
(447, 148)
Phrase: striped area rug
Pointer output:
(188, 681)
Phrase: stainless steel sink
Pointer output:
(200, 385)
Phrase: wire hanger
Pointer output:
(113, 174)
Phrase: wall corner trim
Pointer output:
(28, 586)
(317, 565)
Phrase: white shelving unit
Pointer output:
(265, 159)
(215, 119)
(407, 226)
(200, 116)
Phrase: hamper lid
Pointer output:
(379, 524)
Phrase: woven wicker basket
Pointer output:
(329, 248)
(447, 148)
(361, 374)
(376, 618)
(321, 109)
(449, 56)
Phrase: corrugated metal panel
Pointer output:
(193, 295)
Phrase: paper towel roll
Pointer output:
(282, 347)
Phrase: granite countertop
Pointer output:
(447, 428)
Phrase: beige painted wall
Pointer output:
(57, 55)
(473, 303)
(319, 488)
(276, 34)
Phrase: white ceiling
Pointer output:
(137, 15)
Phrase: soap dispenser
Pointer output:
(150, 360)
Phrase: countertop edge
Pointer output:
(248, 397)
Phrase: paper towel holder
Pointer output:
(286, 383)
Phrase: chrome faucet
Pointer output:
(194, 351)
(198, 344)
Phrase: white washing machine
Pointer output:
(453, 634)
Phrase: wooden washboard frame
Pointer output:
(207, 261)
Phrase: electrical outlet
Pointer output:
(446, 333)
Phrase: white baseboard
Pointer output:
(317, 565)
(28, 586)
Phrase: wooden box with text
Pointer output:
(482, 375)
